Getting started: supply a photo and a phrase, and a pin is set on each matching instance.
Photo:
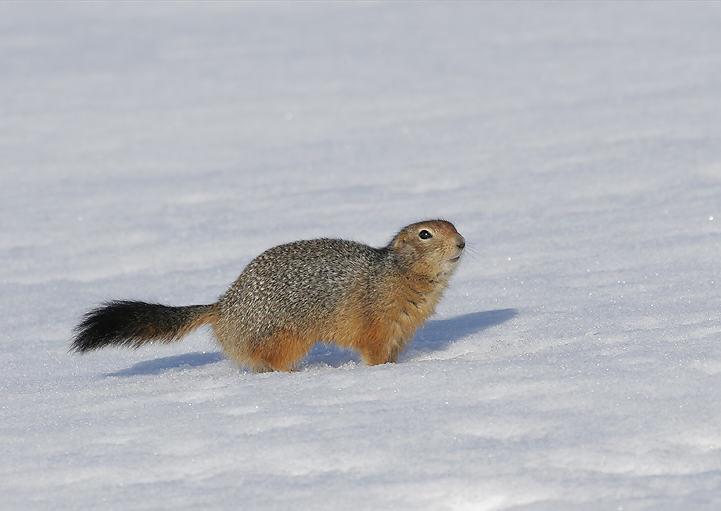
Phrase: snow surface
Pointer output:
(150, 151)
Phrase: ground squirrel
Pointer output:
(291, 296)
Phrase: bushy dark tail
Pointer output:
(131, 324)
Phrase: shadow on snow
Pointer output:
(159, 365)
(434, 336)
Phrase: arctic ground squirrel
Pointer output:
(370, 300)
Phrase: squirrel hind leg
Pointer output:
(281, 351)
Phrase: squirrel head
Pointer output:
(431, 249)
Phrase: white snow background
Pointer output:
(150, 151)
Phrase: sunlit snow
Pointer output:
(150, 150)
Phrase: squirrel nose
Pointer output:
(461, 242)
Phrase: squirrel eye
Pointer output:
(424, 235)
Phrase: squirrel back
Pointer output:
(291, 296)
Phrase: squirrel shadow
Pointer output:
(434, 336)
(159, 365)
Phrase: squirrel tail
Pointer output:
(132, 324)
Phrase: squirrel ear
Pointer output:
(400, 241)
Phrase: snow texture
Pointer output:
(150, 150)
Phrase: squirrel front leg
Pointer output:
(396, 350)
(383, 352)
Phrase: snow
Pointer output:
(151, 150)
